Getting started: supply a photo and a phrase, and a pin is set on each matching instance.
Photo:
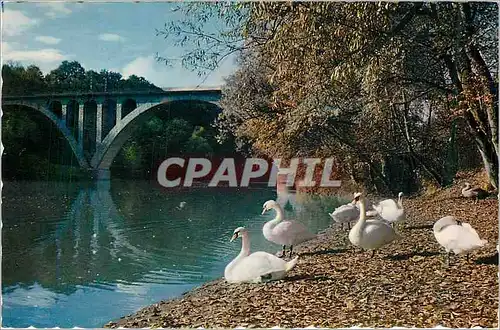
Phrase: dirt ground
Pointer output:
(406, 283)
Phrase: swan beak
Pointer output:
(235, 236)
(263, 211)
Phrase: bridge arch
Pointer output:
(128, 106)
(112, 144)
(58, 123)
(56, 108)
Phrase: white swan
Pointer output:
(456, 237)
(346, 213)
(349, 212)
(181, 205)
(256, 267)
(370, 211)
(477, 193)
(390, 210)
(284, 232)
(371, 234)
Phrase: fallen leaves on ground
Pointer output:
(406, 284)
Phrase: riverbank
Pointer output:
(406, 284)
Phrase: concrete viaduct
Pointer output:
(96, 125)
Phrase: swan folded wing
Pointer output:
(459, 239)
(393, 214)
(262, 266)
(379, 231)
(387, 203)
(292, 230)
(346, 208)
(472, 231)
(345, 213)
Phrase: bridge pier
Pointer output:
(98, 135)
(118, 113)
(108, 142)
(80, 126)
(64, 109)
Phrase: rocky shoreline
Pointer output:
(406, 284)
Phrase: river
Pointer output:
(83, 254)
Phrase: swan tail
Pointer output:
(470, 229)
(291, 264)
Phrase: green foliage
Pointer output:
(68, 77)
(25, 132)
(163, 136)
(365, 82)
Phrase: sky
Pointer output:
(120, 37)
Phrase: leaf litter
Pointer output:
(406, 283)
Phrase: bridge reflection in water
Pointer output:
(83, 255)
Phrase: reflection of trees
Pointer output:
(130, 233)
(207, 213)
(311, 210)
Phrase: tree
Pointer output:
(19, 80)
(363, 77)
(69, 76)
(25, 131)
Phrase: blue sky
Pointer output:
(115, 36)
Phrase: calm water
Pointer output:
(85, 254)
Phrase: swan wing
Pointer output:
(473, 234)
(345, 213)
(459, 239)
(377, 233)
(388, 203)
(377, 226)
(390, 212)
(259, 266)
(292, 231)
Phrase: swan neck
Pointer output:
(245, 246)
(245, 251)
(400, 202)
(279, 215)
(362, 214)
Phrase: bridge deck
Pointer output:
(164, 92)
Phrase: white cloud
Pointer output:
(55, 9)
(48, 40)
(143, 66)
(162, 76)
(46, 59)
(110, 37)
(15, 22)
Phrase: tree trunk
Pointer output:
(406, 133)
(486, 148)
(484, 132)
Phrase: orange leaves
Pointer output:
(406, 284)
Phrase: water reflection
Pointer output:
(81, 255)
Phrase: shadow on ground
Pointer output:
(320, 252)
(489, 260)
(301, 277)
(419, 227)
(406, 256)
